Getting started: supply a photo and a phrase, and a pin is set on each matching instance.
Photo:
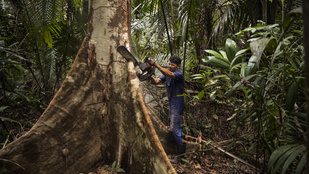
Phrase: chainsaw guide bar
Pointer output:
(126, 54)
(143, 70)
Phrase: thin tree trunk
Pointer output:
(186, 39)
(272, 9)
(166, 27)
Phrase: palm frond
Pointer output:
(233, 14)
(45, 16)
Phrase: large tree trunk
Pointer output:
(98, 116)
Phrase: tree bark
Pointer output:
(98, 116)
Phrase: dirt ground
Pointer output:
(212, 162)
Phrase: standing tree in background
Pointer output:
(98, 116)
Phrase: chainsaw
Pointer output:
(143, 70)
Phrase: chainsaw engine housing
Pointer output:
(144, 70)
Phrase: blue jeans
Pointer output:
(175, 123)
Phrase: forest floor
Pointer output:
(214, 162)
(218, 158)
(214, 123)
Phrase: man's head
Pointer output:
(174, 63)
(176, 60)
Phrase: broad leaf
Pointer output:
(257, 48)
(280, 155)
(291, 96)
(201, 94)
(292, 157)
(243, 70)
(291, 17)
(277, 154)
(223, 53)
(216, 54)
(217, 62)
(2, 108)
(252, 65)
(231, 49)
(277, 52)
(301, 164)
(237, 59)
(8, 119)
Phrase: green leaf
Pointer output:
(239, 65)
(184, 28)
(251, 77)
(243, 70)
(301, 164)
(217, 62)
(2, 108)
(236, 87)
(216, 54)
(291, 96)
(120, 170)
(276, 54)
(252, 65)
(114, 165)
(231, 117)
(279, 156)
(8, 119)
(257, 48)
(291, 17)
(260, 81)
(231, 49)
(241, 52)
(48, 38)
(201, 94)
(276, 154)
(292, 157)
(221, 76)
(223, 53)
(212, 95)
(215, 116)
(271, 45)
(184, 160)
(247, 115)
(238, 57)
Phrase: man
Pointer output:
(174, 84)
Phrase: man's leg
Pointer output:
(175, 126)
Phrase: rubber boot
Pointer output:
(180, 153)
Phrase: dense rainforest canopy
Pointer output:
(243, 62)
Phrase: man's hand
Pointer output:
(154, 81)
(152, 62)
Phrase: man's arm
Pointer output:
(164, 71)
(154, 81)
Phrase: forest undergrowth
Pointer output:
(209, 121)
(213, 124)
